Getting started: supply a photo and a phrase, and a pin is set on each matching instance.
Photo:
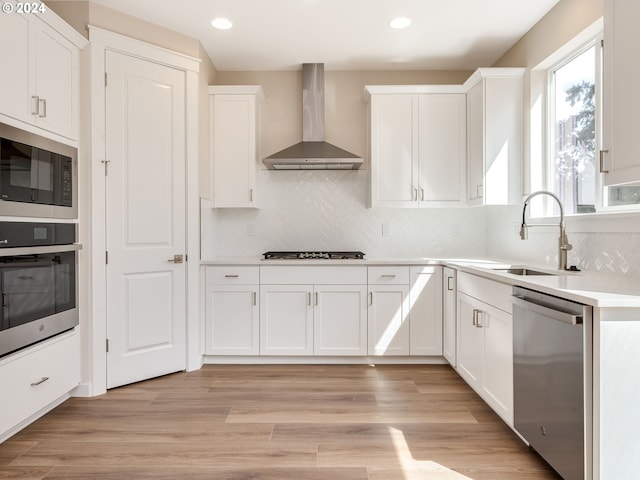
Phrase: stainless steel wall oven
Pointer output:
(37, 176)
(38, 282)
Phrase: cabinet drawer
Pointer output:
(388, 275)
(233, 275)
(491, 292)
(38, 377)
(316, 275)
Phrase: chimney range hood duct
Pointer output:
(313, 153)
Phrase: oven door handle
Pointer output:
(15, 251)
(559, 315)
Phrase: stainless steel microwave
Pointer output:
(37, 176)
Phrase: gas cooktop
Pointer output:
(313, 255)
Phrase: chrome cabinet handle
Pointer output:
(479, 191)
(387, 276)
(316, 295)
(421, 194)
(39, 382)
(176, 259)
(449, 286)
(602, 152)
(480, 321)
(255, 298)
(42, 113)
(370, 298)
(475, 317)
(35, 104)
(309, 298)
(251, 194)
(415, 194)
(231, 276)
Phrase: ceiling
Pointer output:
(346, 34)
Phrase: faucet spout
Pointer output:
(563, 242)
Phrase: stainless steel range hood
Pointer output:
(313, 153)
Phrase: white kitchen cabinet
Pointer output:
(286, 320)
(425, 311)
(485, 341)
(388, 317)
(620, 161)
(494, 136)
(42, 86)
(340, 320)
(36, 378)
(232, 310)
(313, 310)
(449, 315)
(417, 146)
(235, 136)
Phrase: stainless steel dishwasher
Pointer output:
(550, 344)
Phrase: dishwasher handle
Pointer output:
(559, 315)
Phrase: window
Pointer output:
(573, 133)
(572, 129)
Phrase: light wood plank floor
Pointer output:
(277, 422)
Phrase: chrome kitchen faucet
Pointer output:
(563, 242)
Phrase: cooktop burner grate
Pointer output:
(313, 255)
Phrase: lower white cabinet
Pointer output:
(346, 310)
(485, 342)
(232, 323)
(340, 320)
(313, 310)
(449, 315)
(425, 311)
(36, 377)
(286, 320)
(388, 311)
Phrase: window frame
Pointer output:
(549, 127)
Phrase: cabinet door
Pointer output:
(232, 320)
(340, 320)
(388, 320)
(498, 361)
(286, 320)
(394, 125)
(621, 93)
(14, 57)
(442, 148)
(475, 142)
(425, 315)
(470, 341)
(449, 316)
(233, 140)
(56, 64)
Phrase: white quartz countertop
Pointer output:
(590, 288)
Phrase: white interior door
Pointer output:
(145, 219)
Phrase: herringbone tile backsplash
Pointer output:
(326, 210)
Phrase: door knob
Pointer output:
(176, 259)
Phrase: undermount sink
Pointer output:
(522, 271)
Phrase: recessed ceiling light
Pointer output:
(400, 22)
(221, 23)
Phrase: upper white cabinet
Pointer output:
(494, 136)
(619, 158)
(416, 145)
(41, 87)
(235, 118)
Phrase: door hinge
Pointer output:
(106, 258)
(105, 79)
(107, 344)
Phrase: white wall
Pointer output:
(326, 210)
